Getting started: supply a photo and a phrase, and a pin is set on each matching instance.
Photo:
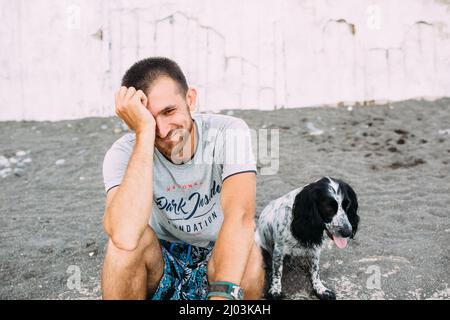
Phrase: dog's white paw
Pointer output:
(326, 294)
(275, 295)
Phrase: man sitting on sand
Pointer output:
(179, 210)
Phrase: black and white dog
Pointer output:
(294, 225)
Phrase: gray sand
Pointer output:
(397, 158)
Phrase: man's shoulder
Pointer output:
(125, 142)
(116, 160)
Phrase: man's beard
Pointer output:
(173, 144)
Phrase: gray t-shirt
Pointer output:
(186, 197)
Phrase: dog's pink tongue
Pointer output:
(341, 243)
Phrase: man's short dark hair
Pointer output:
(143, 74)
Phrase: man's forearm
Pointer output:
(129, 212)
(232, 249)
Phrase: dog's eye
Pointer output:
(329, 210)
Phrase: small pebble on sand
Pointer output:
(20, 165)
(18, 172)
(5, 172)
(4, 162)
(60, 162)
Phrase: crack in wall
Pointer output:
(351, 26)
(279, 57)
(210, 31)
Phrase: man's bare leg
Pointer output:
(253, 279)
(132, 274)
(254, 275)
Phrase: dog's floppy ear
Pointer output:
(352, 212)
(307, 225)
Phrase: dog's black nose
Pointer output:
(345, 232)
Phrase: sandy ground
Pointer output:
(397, 158)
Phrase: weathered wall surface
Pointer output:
(64, 59)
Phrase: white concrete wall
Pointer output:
(63, 59)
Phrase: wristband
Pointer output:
(225, 289)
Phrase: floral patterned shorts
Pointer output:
(185, 272)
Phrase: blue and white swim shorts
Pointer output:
(185, 274)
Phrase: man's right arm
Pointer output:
(128, 206)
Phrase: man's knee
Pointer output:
(253, 279)
(124, 259)
(131, 274)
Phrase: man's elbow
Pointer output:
(247, 220)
